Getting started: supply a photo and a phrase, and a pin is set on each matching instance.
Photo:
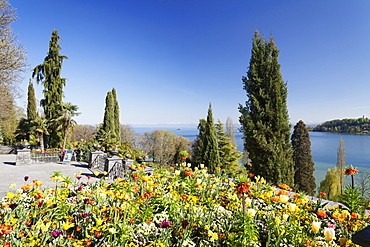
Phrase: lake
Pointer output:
(323, 148)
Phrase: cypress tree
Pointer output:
(116, 116)
(229, 156)
(31, 102)
(264, 118)
(108, 121)
(198, 145)
(303, 164)
(49, 74)
(211, 158)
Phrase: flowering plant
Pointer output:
(350, 170)
(197, 209)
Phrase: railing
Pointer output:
(116, 171)
(99, 162)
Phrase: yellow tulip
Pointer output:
(284, 198)
(329, 234)
(316, 226)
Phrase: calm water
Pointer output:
(323, 147)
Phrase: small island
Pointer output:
(346, 125)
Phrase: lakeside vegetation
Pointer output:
(346, 125)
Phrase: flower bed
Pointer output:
(171, 208)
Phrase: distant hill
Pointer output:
(347, 125)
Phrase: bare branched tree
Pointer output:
(12, 53)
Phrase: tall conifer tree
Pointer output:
(198, 145)
(303, 165)
(31, 102)
(211, 158)
(108, 121)
(116, 116)
(49, 74)
(264, 118)
(229, 156)
(205, 147)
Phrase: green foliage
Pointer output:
(116, 115)
(264, 118)
(31, 102)
(205, 147)
(331, 184)
(111, 124)
(353, 199)
(304, 179)
(49, 74)
(346, 125)
(198, 144)
(229, 156)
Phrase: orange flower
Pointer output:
(283, 192)
(243, 187)
(184, 197)
(188, 173)
(354, 215)
(132, 220)
(37, 183)
(26, 187)
(285, 187)
(4, 229)
(321, 213)
(217, 168)
(97, 234)
(322, 194)
(275, 199)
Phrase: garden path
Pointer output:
(10, 173)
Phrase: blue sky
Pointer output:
(168, 59)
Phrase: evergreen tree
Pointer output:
(116, 116)
(229, 156)
(48, 73)
(108, 121)
(198, 145)
(31, 102)
(341, 163)
(211, 158)
(303, 164)
(205, 147)
(264, 119)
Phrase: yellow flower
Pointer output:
(251, 212)
(248, 202)
(37, 183)
(212, 235)
(96, 173)
(99, 221)
(10, 195)
(67, 225)
(284, 198)
(316, 226)
(329, 234)
(292, 207)
(12, 185)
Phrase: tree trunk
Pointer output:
(41, 137)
